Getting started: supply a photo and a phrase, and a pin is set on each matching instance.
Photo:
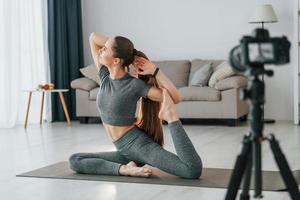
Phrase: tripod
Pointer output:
(250, 156)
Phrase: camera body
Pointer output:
(259, 49)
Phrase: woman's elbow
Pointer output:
(92, 36)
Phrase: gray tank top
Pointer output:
(117, 99)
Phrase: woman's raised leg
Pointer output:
(183, 145)
(187, 163)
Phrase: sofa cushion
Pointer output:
(232, 82)
(224, 70)
(194, 93)
(201, 76)
(199, 63)
(91, 72)
(93, 94)
(176, 70)
(83, 84)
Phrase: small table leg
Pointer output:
(65, 108)
(28, 107)
(42, 108)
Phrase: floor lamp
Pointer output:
(264, 14)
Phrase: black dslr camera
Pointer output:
(259, 49)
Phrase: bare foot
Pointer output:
(131, 169)
(167, 111)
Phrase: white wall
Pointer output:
(177, 29)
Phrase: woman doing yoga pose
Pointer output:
(138, 141)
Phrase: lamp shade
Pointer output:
(263, 14)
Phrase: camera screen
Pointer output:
(261, 52)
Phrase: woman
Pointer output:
(138, 142)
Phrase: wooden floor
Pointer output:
(38, 146)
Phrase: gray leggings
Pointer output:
(137, 146)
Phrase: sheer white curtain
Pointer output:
(23, 60)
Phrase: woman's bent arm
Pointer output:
(146, 67)
(97, 41)
(165, 82)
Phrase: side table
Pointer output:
(59, 91)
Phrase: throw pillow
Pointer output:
(202, 75)
(91, 72)
(232, 82)
(223, 71)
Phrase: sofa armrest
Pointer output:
(84, 84)
(232, 82)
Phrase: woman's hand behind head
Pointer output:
(143, 66)
(133, 71)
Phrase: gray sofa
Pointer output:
(198, 102)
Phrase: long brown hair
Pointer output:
(147, 119)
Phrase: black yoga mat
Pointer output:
(211, 177)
